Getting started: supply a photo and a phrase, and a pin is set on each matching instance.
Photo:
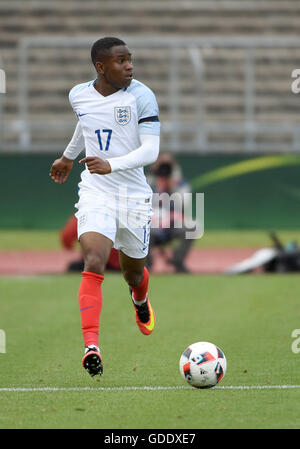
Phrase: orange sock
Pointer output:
(140, 292)
(90, 306)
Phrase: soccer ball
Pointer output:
(203, 365)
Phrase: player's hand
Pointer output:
(96, 165)
(60, 169)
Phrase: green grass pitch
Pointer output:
(33, 239)
(250, 317)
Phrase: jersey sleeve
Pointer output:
(76, 144)
(74, 91)
(72, 95)
(147, 110)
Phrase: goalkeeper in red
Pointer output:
(118, 125)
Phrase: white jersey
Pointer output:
(111, 127)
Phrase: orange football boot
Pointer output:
(144, 316)
(92, 361)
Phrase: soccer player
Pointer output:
(118, 125)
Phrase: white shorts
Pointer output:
(126, 222)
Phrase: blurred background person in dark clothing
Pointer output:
(166, 177)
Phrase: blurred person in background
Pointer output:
(166, 177)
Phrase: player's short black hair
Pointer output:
(102, 47)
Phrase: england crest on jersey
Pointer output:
(122, 114)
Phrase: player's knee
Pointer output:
(94, 263)
(133, 278)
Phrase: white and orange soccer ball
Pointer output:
(203, 364)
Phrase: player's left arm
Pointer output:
(146, 154)
(149, 134)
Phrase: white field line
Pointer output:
(146, 388)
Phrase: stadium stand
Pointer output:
(221, 97)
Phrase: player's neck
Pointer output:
(104, 88)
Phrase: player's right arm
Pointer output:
(61, 167)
